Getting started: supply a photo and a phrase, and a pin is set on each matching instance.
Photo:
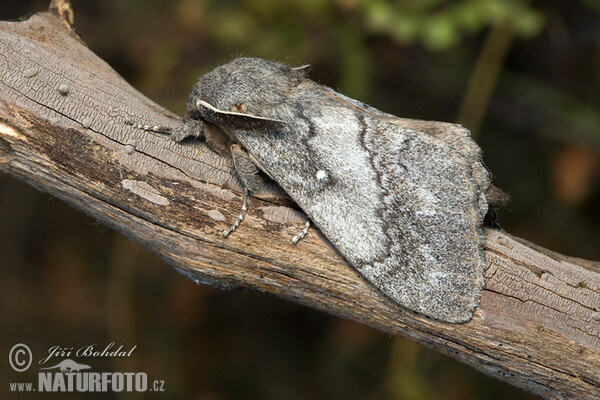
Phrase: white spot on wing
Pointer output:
(322, 175)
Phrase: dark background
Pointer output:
(523, 76)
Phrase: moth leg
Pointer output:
(248, 173)
(189, 128)
(302, 234)
(240, 217)
(217, 140)
(246, 169)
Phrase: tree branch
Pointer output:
(62, 129)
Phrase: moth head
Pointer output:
(244, 93)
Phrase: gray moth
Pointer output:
(402, 200)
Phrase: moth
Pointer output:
(402, 200)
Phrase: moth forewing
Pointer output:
(402, 200)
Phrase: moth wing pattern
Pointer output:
(455, 135)
(405, 207)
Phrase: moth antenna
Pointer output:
(150, 128)
(302, 234)
(304, 69)
(240, 217)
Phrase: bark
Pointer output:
(63, 114)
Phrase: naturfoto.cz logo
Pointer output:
(71, 376)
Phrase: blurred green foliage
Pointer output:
(67, 281)
(440, 25)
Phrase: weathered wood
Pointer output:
(62, 129)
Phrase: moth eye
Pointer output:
(239, 107)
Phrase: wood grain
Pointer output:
(62, 129)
